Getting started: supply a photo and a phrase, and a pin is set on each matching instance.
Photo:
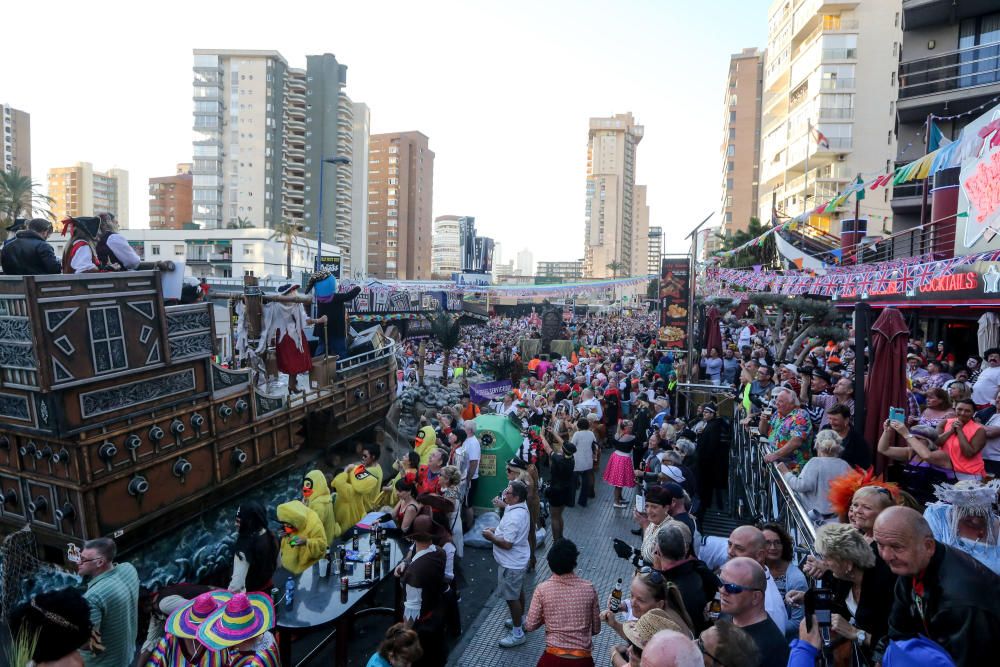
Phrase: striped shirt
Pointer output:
(168, 653)
(114, 609)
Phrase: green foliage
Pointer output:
(241, 223)
(653, 289)
(448, 334)
(287, 232)
(20, 198)
(615, 267)
(19, 654)
(765, 254)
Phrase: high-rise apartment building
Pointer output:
(170, 199)
(525, 263)
(400, 193)
(640, 235)
(741, 140)
(829, 105)
(79, 190)
(265, 135)
(15, 147)
(446, 253)
(610, 232)
(655, 254)
(949, 67)
(359, 191)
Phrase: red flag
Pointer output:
(821, 140)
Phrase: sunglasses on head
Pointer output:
(654, 575)
(736, 589)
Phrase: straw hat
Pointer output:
(641, 631)
(185, 621)
(243, 617)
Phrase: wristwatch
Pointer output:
(861, 638)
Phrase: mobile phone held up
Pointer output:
(897, 415)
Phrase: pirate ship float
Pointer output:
(116, 421)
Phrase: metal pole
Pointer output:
(319, 230)
(692, 285)
(805, 186)
(926, 181)
(862, 327)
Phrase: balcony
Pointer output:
(839, 54)
(837, 84)
(924, 13)
(965, 77)
(908, 196)
(830, 113)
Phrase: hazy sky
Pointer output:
(503, 89)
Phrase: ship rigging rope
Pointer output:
(18, 563)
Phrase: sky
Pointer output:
(504, 90)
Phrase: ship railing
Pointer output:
(764, 495)
(356, 362)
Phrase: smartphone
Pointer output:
(640, 504)
(897, 415)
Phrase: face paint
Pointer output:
(307, 488)
(288, 529)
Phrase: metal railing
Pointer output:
(963, 68)
(763, 494)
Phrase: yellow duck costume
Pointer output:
(426, 443)
(316, 496)
(307, 534)
(357, 490)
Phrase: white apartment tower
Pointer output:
(828, 108)
(609, 219)
(358, 265)
(446, 251)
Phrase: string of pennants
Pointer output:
(384, 290)
(968, 145)
(899, 276)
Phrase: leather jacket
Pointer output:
(29, 255)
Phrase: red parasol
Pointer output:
(713, 335)
(885, 384)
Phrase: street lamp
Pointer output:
(319, 233)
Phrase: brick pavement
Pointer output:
(592, 529)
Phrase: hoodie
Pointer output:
(356, 491)
(308, 529)
(316, 496)
(426, 443)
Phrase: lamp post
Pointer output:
(319, 233)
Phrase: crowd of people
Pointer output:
(907, 579)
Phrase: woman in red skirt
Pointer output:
(619, 472)
(285, 322)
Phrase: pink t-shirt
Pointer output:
(959, 462)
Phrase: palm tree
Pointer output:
(287, 232)
(19, 197)
(241, 223)
(615, 267)
(446, 331)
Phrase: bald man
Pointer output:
(742, 591)
(668, 648)
(749, 542)
(941, 592)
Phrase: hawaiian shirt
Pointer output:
(795, 424)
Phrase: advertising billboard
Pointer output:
(674, 286)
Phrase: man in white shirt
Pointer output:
(512, 553)
(473, 451)
(985, 389)
(583, 461)
(590, 404)
(745, 335)
(113, 249)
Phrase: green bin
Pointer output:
(500, 440)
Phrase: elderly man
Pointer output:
(669, 648)
(113, 595)
(941, 592)
(788, 430)
(725, 644)
(742, 587)
(696, 583)
(512, 551)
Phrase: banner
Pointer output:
(674, 286)
(489, 391)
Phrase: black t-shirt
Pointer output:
(856, 450)
(770, 642)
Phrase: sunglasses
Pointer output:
(701, 647)
(736, 589)
(654, 575)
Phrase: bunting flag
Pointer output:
(821, 139)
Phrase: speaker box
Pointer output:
(368, 340)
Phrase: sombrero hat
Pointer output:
(186, 620)
(244, 617)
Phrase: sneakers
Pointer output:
(620, 506)
(510, 641)
(509, 624)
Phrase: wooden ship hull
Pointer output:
(115, 421)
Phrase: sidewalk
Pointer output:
(592, 529)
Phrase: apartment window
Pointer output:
(154, 250)
(732, 116)
(729, 217)
(393, 149)
(729, 184)
(107, 339)
(730, 166)
(895, 48)
(248, 251)
(393, 181)
(731, 150)
(895, 21)
(732, 133)
(889, 138)
(892, 78)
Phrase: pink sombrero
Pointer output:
(244, 617)
(186, 620)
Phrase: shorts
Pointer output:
(510, 583)
(560, 497)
